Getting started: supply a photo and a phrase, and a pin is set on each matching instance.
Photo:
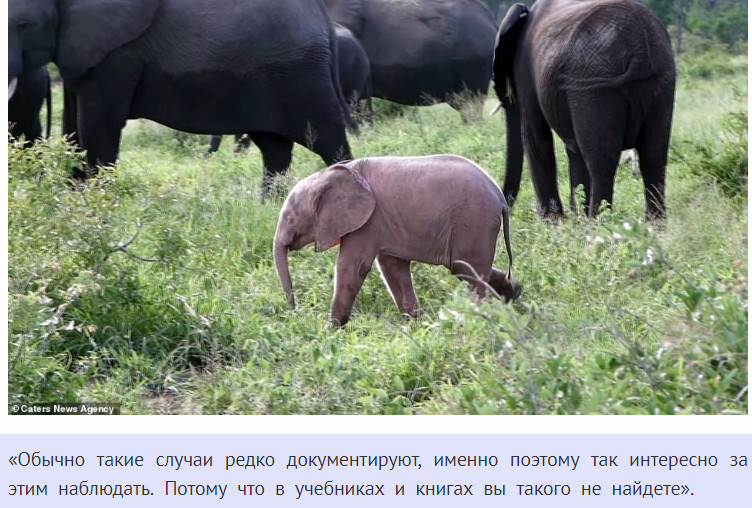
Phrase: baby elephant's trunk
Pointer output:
(283, 270)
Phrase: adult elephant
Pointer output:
(601, 74)
(423, 52)
(186, 64)
(354, 72)
(24, 103)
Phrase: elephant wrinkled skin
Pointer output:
(187, 64)
(601, 74)
(354, 77)
(439, 209)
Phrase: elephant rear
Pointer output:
(436, 203)
(630, 58)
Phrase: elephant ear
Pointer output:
(90, 29)
(506, 47)
(344, 203)
(348, 13)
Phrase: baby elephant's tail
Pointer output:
(505, 222)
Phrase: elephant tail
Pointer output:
(349, 122)
(49, 107)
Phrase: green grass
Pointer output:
(154, 287)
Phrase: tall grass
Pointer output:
(153, 286)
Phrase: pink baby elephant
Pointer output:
(439, 209)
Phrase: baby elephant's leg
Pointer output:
(396, 273)
(474, 273)
(509, 289)
(351, 272)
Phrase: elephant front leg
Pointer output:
(70, 115)
(396, 273)
(103, 99)
(99, 130)
(214, 143)
(351, 272)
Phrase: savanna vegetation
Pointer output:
(153, 286)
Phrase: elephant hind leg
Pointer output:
(653, 169)
(578, 175)
(602, 166)
(652, 150)
(242, 143)
(476, 273)
(599, 135)
(276, 152)
(396, 274)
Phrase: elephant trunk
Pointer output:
(283, 269)
(513, 173)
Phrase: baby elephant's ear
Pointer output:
(344, 203)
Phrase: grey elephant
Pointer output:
(187, 66)
(25, 102)
(601, 74)
(440, 209)
(354, 72)
(423, 52)
(354, 78)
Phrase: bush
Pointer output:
(724, 162)
(704, 58)
(705, 65)
(80, 300)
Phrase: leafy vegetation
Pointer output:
(153, 285)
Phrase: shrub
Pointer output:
(545, 373)
(724, 161)
(81, 284)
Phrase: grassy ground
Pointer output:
(155, 286)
